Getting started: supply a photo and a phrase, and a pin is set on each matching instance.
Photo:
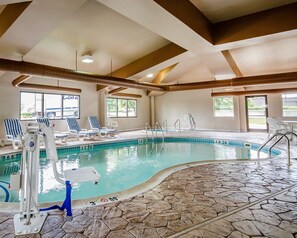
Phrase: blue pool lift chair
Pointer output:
(14, 133)
(76, 131)
(58, 135)
(103, 131)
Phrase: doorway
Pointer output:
(256, 113)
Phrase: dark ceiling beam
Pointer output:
(232, 63)
(271, 21)
(10, 13)
(242, 81)
(20, 80)
(49, 87)
(253, 92)
(100, 87)
(152, 59)
(161, 76)
(116, 90)
(40, 70)
(190, 15)
(129, 95)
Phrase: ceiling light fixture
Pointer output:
(150, 75)
(87, 58)
(224, 76)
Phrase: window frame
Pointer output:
(214, 109)
(117, 107)
(42, 105)
(282, 103)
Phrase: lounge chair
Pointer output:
(76, 131)
(58, 136)
(276, 126)
(103, 131)
(14, 132)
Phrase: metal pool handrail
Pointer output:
(157, 126)
(148, 127)
(165, 125)
(270, 148)
(177, 125)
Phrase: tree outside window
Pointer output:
(118, 107)
(223, 107)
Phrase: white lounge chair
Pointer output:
(14, 132)
(276, 126)
(76, 131)
(103, 131)
(58, 136)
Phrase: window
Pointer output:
(223, 107)
(52, 106)
(118, 107)
(289, 103)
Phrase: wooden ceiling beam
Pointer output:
(10, 13)
(271, 21)
(236, 82)
(232, 63)
(49, 87)
(99, 87)
(116, 90)
(253, 92)
(267, 22)
(20, 80)
(161, 76)
(154, 58)
(190, 15)
(129, 95)
(40, 70)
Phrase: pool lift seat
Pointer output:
(31, 219)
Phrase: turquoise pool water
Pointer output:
(123, 165)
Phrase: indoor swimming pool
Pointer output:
(122, 165)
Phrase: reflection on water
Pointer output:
(121, 167)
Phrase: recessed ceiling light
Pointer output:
(87, 59)
(150, 75)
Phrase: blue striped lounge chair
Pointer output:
(76, 131)
(58, 136)
(103, 131)
(14, 132)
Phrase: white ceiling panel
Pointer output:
(100, 30)
(267, 58)
(222, 10)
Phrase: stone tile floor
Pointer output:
(244, 199)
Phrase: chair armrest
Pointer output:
(83, 130)
(73, 132)
(95, 129)
(9, 137)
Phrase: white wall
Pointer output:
(170, 106)
(174, 105)
(10, 98)
(91, 103)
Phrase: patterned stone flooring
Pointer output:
(234, 199)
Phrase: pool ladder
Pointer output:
(278, 140)
(147, 129)
(177, 125)
(152, 130)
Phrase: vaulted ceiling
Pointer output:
(204, 39)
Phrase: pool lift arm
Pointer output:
(31, 219)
